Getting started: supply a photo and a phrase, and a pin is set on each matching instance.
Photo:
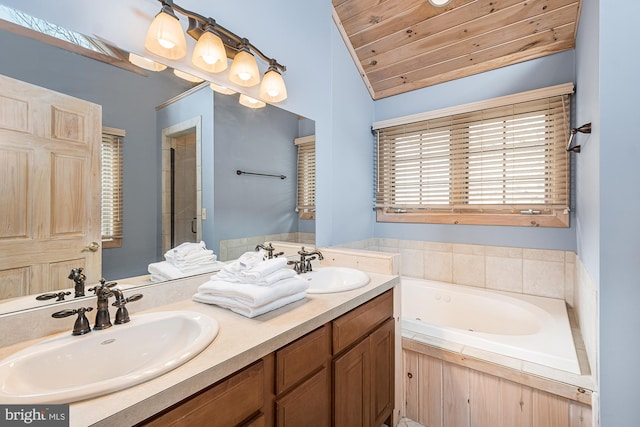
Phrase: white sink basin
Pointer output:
(324, 280)
(68, 368)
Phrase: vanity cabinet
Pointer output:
(363, 364)
(341, 374)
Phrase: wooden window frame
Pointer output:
(111, 187)
(455, 211)
(306, 177)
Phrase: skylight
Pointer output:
(53, 30)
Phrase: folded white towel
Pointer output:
(263, 269)
(254, 295)
(249, 259)
(163, 270)
(268, 280)
(243, 309)
(184, 249)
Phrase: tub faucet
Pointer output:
(304, 265)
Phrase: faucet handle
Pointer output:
(81, 325)
(103, 284)
(59, 295)
(122, 314)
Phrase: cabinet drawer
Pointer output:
(302, 357)
(227, 403)
(354, 325)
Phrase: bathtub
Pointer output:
(529, 328)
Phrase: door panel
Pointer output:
(50, 186)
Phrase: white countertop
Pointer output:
(240, 342)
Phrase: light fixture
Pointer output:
(146, 63)
(272, 88)
(209, 53)
(247, 101)
(244, 68)
(215, 44)
(439, 3)
(221, 89)
(165, 36)
(188, 77)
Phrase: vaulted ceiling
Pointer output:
(403, 45)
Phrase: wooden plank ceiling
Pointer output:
(403, 45)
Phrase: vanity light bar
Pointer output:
(215, 44)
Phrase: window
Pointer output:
(112, 187)
(497, 162)
(306, 198)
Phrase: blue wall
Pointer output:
(619, 204)
(253, 140)
(534, 74)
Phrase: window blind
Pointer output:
(306, 192)
(112, 186)
(508, 159)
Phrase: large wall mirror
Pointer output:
(160, 112)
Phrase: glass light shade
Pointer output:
(209, 53)
(244, 70)
(188, 77)
(247, 101)
(221, 89)
(165, 37)
(439, 3)
(145, 63)
(272, 88)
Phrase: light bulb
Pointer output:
(250, 102)
(272, 88)
(209, 53)
(145, 63)
(244, 70)
(221, 89)
(165, 36)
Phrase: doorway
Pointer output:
(181, 184)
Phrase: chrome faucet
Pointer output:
(304, 265)
(269, 248)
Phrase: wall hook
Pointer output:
(586, 128)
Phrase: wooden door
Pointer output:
(352, 387)
(49, 188)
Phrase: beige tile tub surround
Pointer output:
(539, 272)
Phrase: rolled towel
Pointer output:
(254, 295)
(240, 308)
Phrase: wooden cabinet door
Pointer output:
(49, 188)
(352, 387)
(382, 372)
(307, 405)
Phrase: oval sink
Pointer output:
(68, 368)
(324, 280)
